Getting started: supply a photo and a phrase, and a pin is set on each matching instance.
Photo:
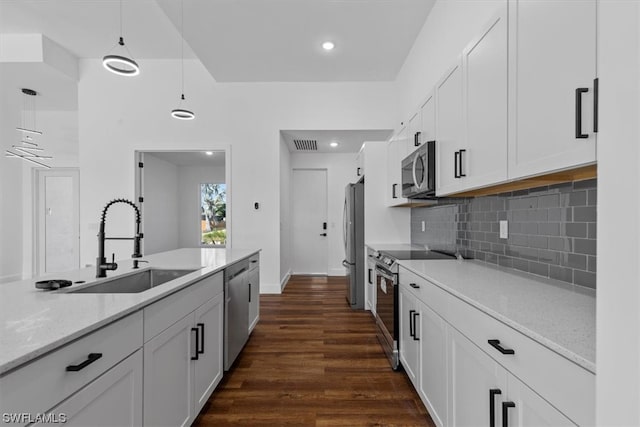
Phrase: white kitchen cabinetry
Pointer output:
(360, 162)
(449, 131)
(482, 159)
(428, 120)
(113, 399)
(370, 282)
(463, 354)
(397, 150)
(183, 362)
(254, 291)
(552, 53)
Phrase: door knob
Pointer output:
(323, 234)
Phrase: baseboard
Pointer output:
(337, 272)
(285, 280)
(11, 278)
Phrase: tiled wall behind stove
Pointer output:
(552, 230)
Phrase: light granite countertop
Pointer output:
(558, 315)
(34, 322)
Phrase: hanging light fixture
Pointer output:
(28, 151)
(121, 64)
(180, 112)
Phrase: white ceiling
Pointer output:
(237, 40)
(349, 141)
(190, 158)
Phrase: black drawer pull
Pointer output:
(411, 331)
(358, 172)
(201, 327)
(414, 286)
(197, 343)
(492, 406)
(596, 89)
(496, 344)
(579, 92)
(369, 277)
(456, 174)
(505, 412)
(393, 191)
(250, 283)
(416, 140)
(92, 357)
(415, 330)
(462, 174)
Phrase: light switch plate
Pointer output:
(504, 229)
(422, 225)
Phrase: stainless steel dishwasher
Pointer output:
(236, 311)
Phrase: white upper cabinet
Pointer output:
(552, 67)
(428, 118)
(396, 151)
(484, 67)
(449, 132)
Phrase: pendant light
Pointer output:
(29, 150)
(180, 112)
(121, 64)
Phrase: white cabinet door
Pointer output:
(254, 298)
(524, 408)
(474, 378)
(413, 132)
(371, 285)
(397, 150)
(409, 344)
(449, 131)
(484, 67)
(433, 360)
(114, 399)
(552, 52)
(428, 117)
(168, 379)
(360, 163)
(208, 368)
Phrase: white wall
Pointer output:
(448, 29)
(189, 180)
(285, 213)
(618, 302)
(160, 207)
(341, 170)
(119, 116)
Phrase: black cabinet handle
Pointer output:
(393, 191)
(505, 412)
(201, 349)
(416, 140)
(460, 160)
(415, 330)
(414, 286)
(455, 164)
(250, 283)
(369, 277)
(496, 344)
(492, 406)
(596, 90)
(411, 331)
(197, 343)
(358, 172)
(92, 357)
(579, 92)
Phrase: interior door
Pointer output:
(57, 212)
(309, 216)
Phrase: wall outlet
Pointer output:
(422, 225)
(504, 229)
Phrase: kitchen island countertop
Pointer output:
(34, 322)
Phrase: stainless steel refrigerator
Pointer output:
(353, 236)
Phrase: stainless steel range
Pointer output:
(386, 282)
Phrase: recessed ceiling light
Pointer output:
(209, 153)
(328, 45)
(334, 144)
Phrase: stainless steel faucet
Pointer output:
(101, 263)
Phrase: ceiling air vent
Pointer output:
(306, 144)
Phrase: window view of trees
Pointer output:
(213, 209)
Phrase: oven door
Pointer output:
(387, 313)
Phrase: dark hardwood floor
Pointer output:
(312, 361)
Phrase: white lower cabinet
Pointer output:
(120, 387)
(433, 361)
(408, 344)
(254, 291)
(182, 366)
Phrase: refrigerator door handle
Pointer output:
(344, 227)
(345, 263)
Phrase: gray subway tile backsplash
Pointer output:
(552, 230)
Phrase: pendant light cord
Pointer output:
(182, 43)
(120, 19)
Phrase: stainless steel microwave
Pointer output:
(419, 172)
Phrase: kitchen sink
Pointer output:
(132, 283)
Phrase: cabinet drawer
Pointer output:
(43, 383)
(567, 386)
(427, 292)
(254, 262)
(164, 313)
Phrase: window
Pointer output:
(213, 214)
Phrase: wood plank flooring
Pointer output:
(312, 361)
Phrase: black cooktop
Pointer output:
(418, 254)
